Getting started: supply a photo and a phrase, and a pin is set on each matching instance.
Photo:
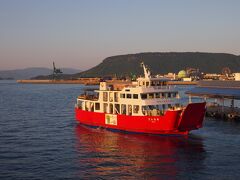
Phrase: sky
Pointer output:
(81, 33)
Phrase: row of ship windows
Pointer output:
(153, 83)
(129, 109)
(150, 95)
(129, 96)
(136, 96)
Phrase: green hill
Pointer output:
(161, 63)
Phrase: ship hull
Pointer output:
(175, 122)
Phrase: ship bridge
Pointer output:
(149, 81)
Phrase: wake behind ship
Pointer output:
(148, 105)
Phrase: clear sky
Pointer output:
(81, 33)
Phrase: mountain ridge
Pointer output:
(163, 62)
(27, 73)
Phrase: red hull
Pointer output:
(173, 122)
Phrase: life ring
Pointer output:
(231, 116)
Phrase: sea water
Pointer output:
(40, 139)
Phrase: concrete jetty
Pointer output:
(85, 81)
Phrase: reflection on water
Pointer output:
(107, 154)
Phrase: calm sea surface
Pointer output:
(39, 139)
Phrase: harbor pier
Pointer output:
(221, 98)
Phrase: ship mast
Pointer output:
(147, 73)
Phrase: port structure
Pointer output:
(56, 72)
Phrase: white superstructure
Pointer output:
(147, 96)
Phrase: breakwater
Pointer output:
(86, 81)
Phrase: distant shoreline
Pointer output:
(7, 79)
(92, 81)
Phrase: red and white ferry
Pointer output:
(148, 105)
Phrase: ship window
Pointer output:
(174, 94)
(129, 109)
(117, 108)
(116, 97)
(97, 106)
(79, 104)
(144, 96)
(144, 110)
(151, 107)
(150, 96)
(111, 96)
(105, 106)
(163, 106)
(105, 96)
(154, 83)
(86, 106)
(110, 87)
(157, 95)
(122, 95)
(164, 95)
(135, 96)
(136, 109)
(91, 106)
(123, 109)
(129, 96)
(111, 109)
